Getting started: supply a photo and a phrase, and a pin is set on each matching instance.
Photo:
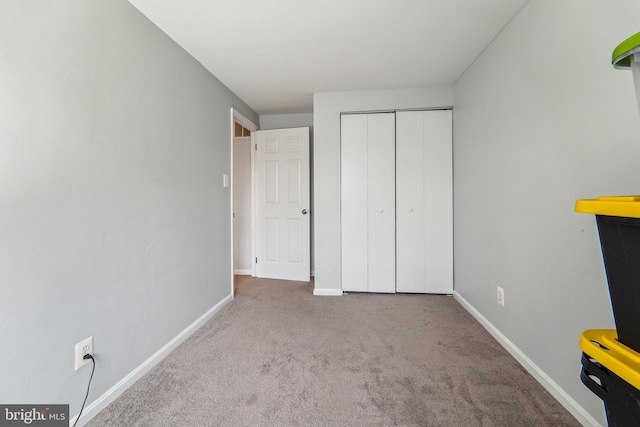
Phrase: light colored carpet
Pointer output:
(278, 356)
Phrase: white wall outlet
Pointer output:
(500, 296)
(82, 348)
(225, 180)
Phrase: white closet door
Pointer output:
(424, 197)
(381, 185)
(354, 206)
(368, 202)
(410, 202)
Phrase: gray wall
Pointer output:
(283, 121)
(326, 119)
(113, 219)
(541, 119)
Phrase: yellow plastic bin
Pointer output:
(618, 220)
(612, 372)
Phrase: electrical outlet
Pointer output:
(82, 348)
(500, 296)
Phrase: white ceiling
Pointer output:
(274, 54)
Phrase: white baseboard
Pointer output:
(110, 395)
(551, 386)
(242, 272)
(327, 292)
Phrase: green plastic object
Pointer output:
(621, 58)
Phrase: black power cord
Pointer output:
(86, 356)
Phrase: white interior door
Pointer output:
(368, 202)
(424, 198)
(282, 204)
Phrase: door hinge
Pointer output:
(256, 147)
(256, 260)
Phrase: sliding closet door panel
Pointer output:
(438, 202)
(410, 202)
(424, 202)
(354, 216)
(381, 207)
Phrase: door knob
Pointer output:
(304, 211)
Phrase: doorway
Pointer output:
(242, 200)
(241, 210)
(265, 242)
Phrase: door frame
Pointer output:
(236, 116)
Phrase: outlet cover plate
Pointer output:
(500, 296)
(82, 348)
